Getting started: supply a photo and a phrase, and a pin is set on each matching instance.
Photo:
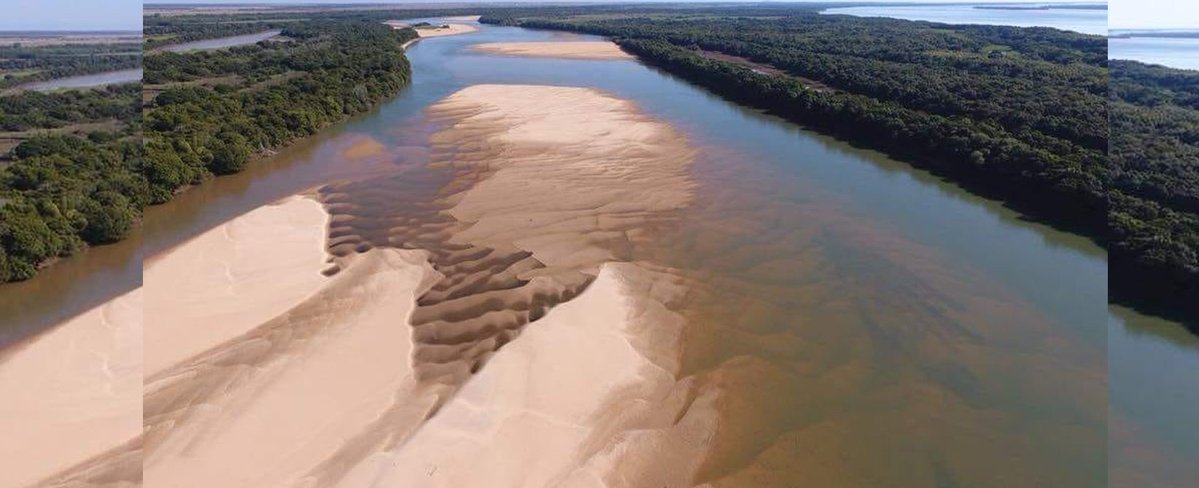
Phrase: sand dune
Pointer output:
(72, 394)
(556, 49)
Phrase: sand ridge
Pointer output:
(599, 50)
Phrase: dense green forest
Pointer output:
(24, 64)
(212, 111)
(62, 188)
(1017, 114)
(1154, 217)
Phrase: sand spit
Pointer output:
(72, 394)
(553, 49)
(231, 279)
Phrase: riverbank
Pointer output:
(72, 393)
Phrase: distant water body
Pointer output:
(222, 42)
(87, 81)
(1072, 18)
(1175, 52)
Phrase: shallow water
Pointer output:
(221, 42)
(87, 81)
(1173, 52)
(868, 323)
(1078, 20)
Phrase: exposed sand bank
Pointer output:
(547, 184)
(554, 49)
(435, 30)
(270, 406)
(231, 279)
(73, 393)
(586, 397)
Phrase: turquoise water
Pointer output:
(1078, 20)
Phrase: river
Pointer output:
(87, 81)
(1086, 21)
(872, 322)
(222, 42)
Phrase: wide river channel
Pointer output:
(873, 324)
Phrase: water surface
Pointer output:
(87, 81)
(1175, 52)
(1086, 21)
(221, 42)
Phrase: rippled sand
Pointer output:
(554, 49)
(71, 401)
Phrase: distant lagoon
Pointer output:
(1072, 17)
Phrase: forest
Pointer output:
(213, 111)
(62, 189)
(25, 64)
(1014, 114)
(1154, 214)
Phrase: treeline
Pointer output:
(24, 64)
(28, 110)
(1154, 213)
(1017, 114)
(61, 192)
(325, 73)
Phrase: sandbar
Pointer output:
(599, 50)
(436, 30)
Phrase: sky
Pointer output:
(29, 15)
(294, 2)
(1153, 14)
